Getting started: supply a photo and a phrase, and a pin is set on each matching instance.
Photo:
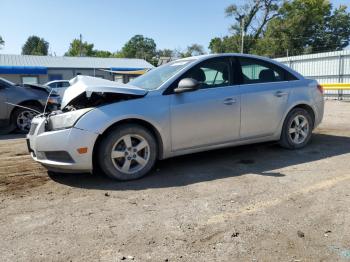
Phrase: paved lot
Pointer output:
(251, 203)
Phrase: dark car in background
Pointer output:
(20, 103)
(59, 86)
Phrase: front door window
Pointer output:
(212, 73)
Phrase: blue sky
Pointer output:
(110, 23)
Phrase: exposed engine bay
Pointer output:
(80, 105)
(97, 99)
(86, 91)
(85, 94)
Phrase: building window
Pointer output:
(30, 80)
(53, 77)
(132, 78)
(119, 79)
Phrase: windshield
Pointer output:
(156, 77)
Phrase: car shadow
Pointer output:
(260, 159)
(12, 136)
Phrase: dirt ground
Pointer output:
(251, 203)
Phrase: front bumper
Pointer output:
(58, 150)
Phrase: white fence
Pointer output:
(326, 68)
(331, 67)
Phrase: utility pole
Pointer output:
(242, 44)
(81, 44)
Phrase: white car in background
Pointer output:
(59, 86)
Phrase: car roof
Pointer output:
(224, 54)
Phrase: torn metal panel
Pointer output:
(88, 85)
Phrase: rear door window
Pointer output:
(255, 71)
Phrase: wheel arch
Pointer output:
(23, 103)
(27, 103)
(306, 107)
(303, 105)
(138, 121)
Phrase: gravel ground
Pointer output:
(251, 203)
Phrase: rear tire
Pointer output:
(297, 129)
(128, 152)
(22, 118)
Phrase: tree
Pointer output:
(165, 53)
(139, 47)
(193, 50)
(2, 42)
(253, 16)
(306, 26)
(177, 53)
(251, 20)
(275, 28)
(102, 53)
(334, 33)
(78, 48)
(227, 44)
(35, 46)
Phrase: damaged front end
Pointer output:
(85, 94)
(95, 99)
(94, 91)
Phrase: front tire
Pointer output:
(297, 129)
(128, 152)
(22, 118)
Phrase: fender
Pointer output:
(101, 118)
(290, 107)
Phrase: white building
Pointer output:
(41, 69)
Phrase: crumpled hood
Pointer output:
(89, 85)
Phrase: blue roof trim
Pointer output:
(27, 70)
(126, 69)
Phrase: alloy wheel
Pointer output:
(24, 120)
(299, 129)
(130, 153)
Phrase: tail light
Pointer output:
(320, 88)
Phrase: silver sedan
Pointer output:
(186, 106)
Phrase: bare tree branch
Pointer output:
(270, 11)
(255, 14)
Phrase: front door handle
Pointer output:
(281, 93)
(230, 101)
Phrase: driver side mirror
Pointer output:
(187, 85)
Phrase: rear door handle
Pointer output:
(281, 93)
(230, 101)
